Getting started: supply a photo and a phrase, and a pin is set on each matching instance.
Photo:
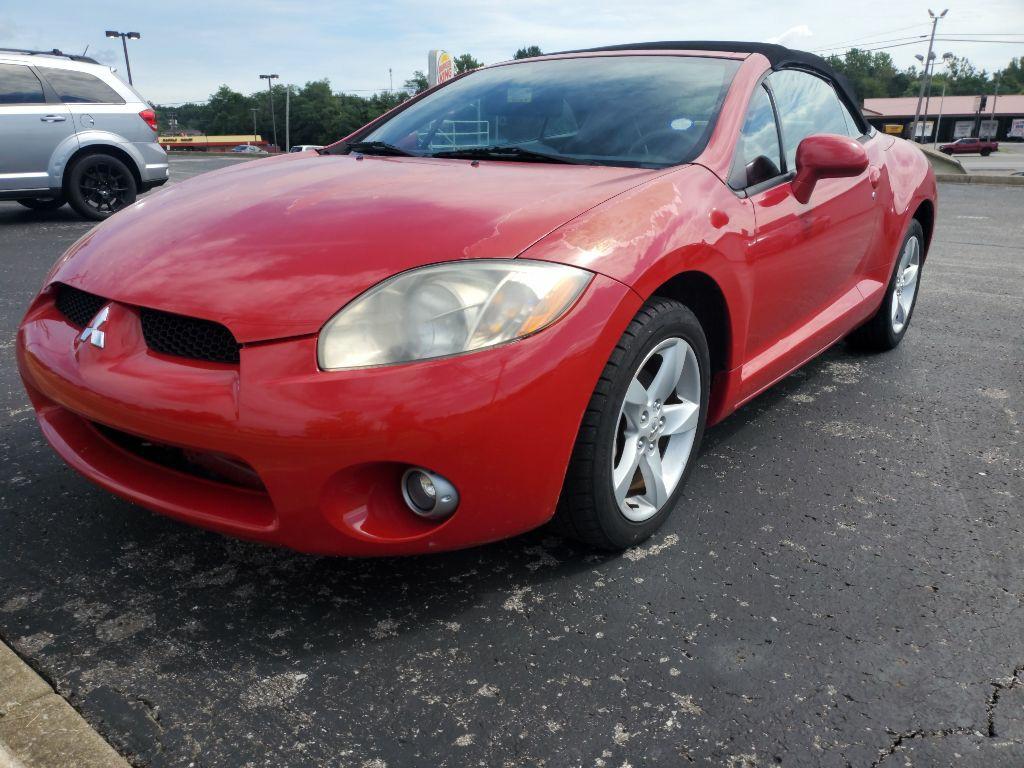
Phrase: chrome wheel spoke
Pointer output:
(625, 470)
(655, 494)
(665, 380)
(635, 406)
(910, 275)
(680, 417)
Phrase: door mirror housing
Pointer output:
(826, 156)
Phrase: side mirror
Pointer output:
(826, 156)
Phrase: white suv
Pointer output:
(73, 132)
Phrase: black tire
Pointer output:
(986, 152)
(587, 510)
(98, 186)
(878, 333)
(43, 203)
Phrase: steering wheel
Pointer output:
(652, 137)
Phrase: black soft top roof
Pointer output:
(778, 55)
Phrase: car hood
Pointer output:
(272, 248)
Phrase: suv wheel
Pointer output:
(43, 203)
(98, 186)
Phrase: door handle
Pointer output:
(874, 175)
(53, 118)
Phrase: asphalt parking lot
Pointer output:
(842, 584)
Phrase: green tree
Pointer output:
(529, 52)
(964, 79)
(1011, 78)
(417, 83)
(466, 62)
(226, 111)
(872, 73)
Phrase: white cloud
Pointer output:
(791, 35)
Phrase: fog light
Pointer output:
(428, 494)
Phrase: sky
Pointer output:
(189, 48)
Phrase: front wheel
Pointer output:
(986, 152)
(98, 186)
(641, 432)
(43, 203)
(886, 329)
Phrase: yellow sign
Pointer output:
(894, 128)
(440, 67)
(241, 139)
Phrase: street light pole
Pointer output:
(270, 90)
(927, 59)
(125, 37)
(946, 58)
(253, 125)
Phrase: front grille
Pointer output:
(164, 332)
(78, 306)
(188, 337)
(217, 467)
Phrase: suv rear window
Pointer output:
(81, 87)
(18, 85)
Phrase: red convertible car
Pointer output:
(521, 295)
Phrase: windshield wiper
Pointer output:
(507, 152)
(378, 148)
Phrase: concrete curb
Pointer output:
(38, 729)
(977, 178)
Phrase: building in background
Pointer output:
(995, 117)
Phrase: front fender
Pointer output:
(912, 180)
(684, 221)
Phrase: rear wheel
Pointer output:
(98, 186)
(986, 152)
(886, 329)
(43, 203)
(641, 432)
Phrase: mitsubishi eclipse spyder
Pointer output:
(519, 297)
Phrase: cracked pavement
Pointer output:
(841, 585)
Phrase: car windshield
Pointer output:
(638, 111)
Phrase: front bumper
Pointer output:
(328, 448)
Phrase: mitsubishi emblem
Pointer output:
(92, 332)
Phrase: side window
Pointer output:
(81, 87)
(851, 124)
(807, 105)
(19, 85)
(757, 153)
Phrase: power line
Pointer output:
(913, 38)
(867, 38)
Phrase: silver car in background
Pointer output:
(73, 132)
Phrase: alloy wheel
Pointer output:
(657, 426)
(105, 188)
(905, 288)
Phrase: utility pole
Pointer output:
(125, 37)
(273, 118)
(947, 57)
(287, 118)
(253, 125)
(995, 96)
(391, 81)
(927, 60)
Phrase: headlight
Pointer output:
(446, 309)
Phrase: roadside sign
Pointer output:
(1016, 129)
(988, 129)
(963, 128)
(440, 67)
